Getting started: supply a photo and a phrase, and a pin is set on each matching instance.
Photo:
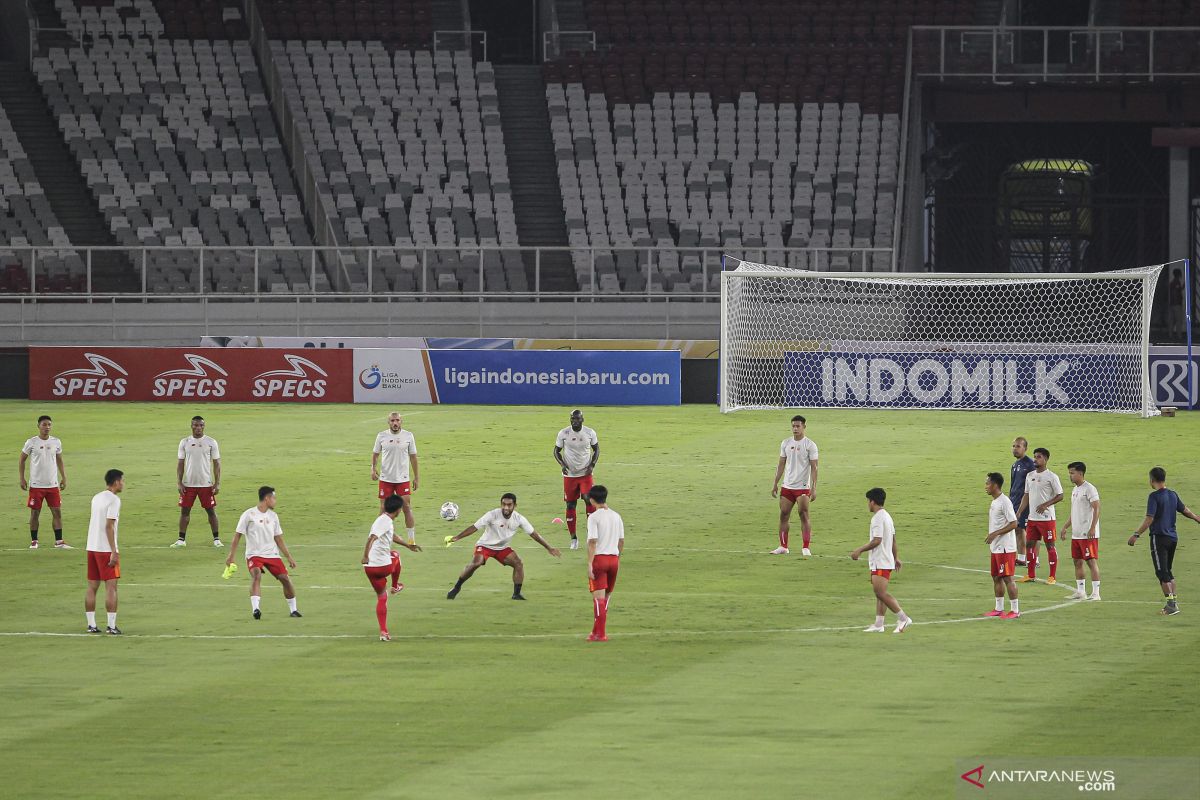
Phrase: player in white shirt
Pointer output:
(381, 562)
(47, 476)
(499, 526)
(392, 458)
(798, 469)
(103, 553)
(264, 542)
(1043, 490)
(882, 559)
(1084, 525)
(198, 476)
(605, 543)
(1002, 542)
(577, 449)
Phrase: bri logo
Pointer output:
(371, 377)
(94, 382)
(295, 382)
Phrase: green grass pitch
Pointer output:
(729, 673)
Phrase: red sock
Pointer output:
(807, 537)
(381, 612)
(1031, 561)
(1052, 555)
(571, 521)
(600, 608)
(395, 573)
(783, 538)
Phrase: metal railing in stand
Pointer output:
(555, 43)
(473, 42)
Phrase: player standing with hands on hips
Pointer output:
(577, 449)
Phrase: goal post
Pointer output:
(1073, 341)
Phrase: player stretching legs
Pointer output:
(605, 543)
(1161, 508)
(499, 526)
(264, 541)
(1084, 524)
(1016, 488)
(392, 458)
(381, 562)
(1002, 541)
(198, 475)
(798, 468)
(882, 559)
(103, 555)
(1043, 490)
(47, 479)
(576, 450)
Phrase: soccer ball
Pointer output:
(449, 511)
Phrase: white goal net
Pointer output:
(798, 339)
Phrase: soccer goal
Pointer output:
(793, 338)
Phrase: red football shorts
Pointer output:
(98, 568)
(1037, 530)
(883, 573)
(1004, 564)
(204, 493)
(575, 488)
(794, 494)
(605, 570)
(378, 576)
(386, 489)
(499, 555)
(272, 565)
(52, 497)
(1085, 549)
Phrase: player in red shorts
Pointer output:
(392, 458)
(1002, 541)
(499, 526)
(198, 477)
(1084, 525)
(264, 541)
(103, 554)
(605, 543)
(882, 560)
(47, 478)
(577, 449)
(1043, 490)
(798, 469)
(381, 562)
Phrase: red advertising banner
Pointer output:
(299, 375)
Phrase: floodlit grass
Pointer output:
(729, 673)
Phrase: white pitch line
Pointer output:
(468, 636)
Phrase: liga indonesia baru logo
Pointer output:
(194, 382)
(94, 382)
(371, 377)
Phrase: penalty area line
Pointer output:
(731, 633)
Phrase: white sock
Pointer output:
(1013, 605)
(412, 534)
(1095, 587)
(902, 617)
(254, 601)
(999, 603)
(291, 603)
(91, 615)
(112, 619)
(1080, 585)
(879, 620)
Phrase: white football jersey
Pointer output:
(797, 472)
(498, 531)
(1000, 513)
(198, 456)
(105, 506)
(1042, 487)
(1082, 497)
(394, 450)
(577, 449)
(606, 528)
(260, 529)
(382, 531)
(43, 465)
(883, 527)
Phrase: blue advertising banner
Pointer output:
(961, 380)
(1171, 381)
(557, 377)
